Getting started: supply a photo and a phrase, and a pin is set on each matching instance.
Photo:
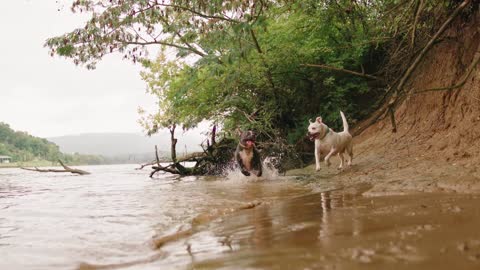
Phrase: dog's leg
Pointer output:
(240, 163)
(257, 162)
(317, 155)
(350, 153)
(327, 158)
(340, 155)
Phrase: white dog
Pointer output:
(336, 143)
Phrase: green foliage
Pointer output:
(66, 50)
(80, 159)
(265, 87)
(242, 63)
(24, 147)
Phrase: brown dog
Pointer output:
(247, 155)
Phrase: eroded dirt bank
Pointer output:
(393, 166)
(437, 145)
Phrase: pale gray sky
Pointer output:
(48, 96)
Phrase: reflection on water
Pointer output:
(338, 230)
(50, 221)
(106, 220)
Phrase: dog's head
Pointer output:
(316, 128)
(247, 138)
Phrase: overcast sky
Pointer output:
(47, 96)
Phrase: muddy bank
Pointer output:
(391, 168)
(339, 229)
(354, 219)
(437, 143)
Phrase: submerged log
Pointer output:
(65, 169)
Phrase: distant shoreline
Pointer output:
(38, 163)
(44, 164)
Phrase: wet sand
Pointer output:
(340, 230)
(118, 218)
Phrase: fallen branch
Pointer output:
(65, 169)
(146, 164)
(159, 167)
(192, 157)
(212, 161)
(344, 71)
(418, 11)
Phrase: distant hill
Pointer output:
(21, 146)
(125, 144)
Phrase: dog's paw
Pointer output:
(340, 168)
(246, 173)
(317, 169)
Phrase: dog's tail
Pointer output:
(344, 120)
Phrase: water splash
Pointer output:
(269, 172)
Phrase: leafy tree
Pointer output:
(249, 63)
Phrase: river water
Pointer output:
(119, 218)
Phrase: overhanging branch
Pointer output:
(344, 71)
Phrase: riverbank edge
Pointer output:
(390, 171)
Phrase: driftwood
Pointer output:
(192, 157)
(146, 164)
(159, 167)
(211, 161)
(65, 169)
(175, 167)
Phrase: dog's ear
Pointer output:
(239, 132)
(319, 119)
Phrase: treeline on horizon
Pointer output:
(261, 64)
(23, 147)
